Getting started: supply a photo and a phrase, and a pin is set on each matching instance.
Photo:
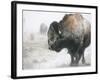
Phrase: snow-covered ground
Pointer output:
(36, 54)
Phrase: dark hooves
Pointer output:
(73, 64)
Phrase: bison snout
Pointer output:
(55, 48)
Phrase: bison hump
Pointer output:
(73, 21)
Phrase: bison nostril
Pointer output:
(50, 48)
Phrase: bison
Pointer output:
(72, 32)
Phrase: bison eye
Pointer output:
(57, 38)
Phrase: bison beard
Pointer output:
(73, 33)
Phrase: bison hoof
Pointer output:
(73, 64)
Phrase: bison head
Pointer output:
(54, 36)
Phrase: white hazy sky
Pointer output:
(33, 19)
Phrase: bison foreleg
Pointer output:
(72, 60)
(78, 57)
(83, 59)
